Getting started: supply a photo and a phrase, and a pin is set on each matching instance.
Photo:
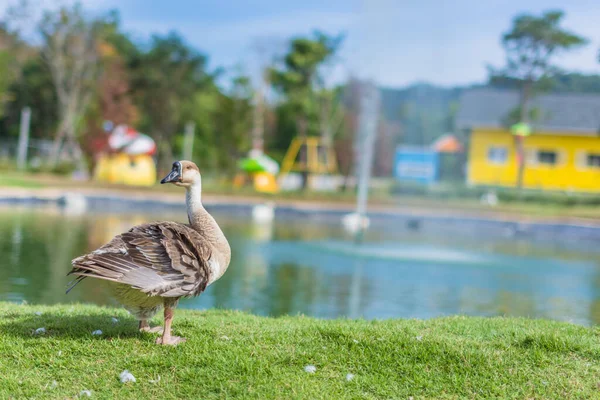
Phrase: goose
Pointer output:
(155, 264)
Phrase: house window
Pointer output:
(546, 157)
(497, 155)
(593, 160)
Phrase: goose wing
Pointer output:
(164, 259)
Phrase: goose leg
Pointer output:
(145, 327)
(166, 337)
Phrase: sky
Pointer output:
(394, 43)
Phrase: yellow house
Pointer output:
(562, 153)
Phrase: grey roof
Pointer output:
(573, 112)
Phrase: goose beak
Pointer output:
(174, 175)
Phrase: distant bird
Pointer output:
(489, 198)
(156, 264)
(413, 224)
(264, 212)
(354, 222)
(74, 203)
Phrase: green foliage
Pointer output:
(297, 78)
(223, 122)
(33, 89)
(575, 82)
(532, 43)
(164, 79)
(530, 47)
(12, 53)
(6, 78)
(160, 85)
(235, 355)
(514, 116)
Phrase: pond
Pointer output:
(310, 266)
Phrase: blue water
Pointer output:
(306, 266)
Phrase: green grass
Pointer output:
(581, 207)
(236, 355)
(19, 181)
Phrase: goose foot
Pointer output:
(171, 341)
(156, 329)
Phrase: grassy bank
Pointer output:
(235, 355)
(447, 198)
(378, 200)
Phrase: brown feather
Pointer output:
(165, 259)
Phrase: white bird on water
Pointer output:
(354, 222)
(264, 212)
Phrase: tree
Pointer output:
(233, 123)
(531, 45)
(8, 64)
(265, 50)
(296, 78)
(165, 78)
(14, 53)
(34, 88)
(69, 49)
(113, 100)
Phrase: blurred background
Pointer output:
(472, 127)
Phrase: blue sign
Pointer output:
(417, 165)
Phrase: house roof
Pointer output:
(573, 112)
(447, 143)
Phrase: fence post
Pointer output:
(23, 138)
(188, 141)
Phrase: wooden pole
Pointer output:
(188, 141)
(23, 138)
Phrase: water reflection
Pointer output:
(308, 267)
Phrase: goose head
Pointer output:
(184, 173)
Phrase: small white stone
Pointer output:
(38, 313)
(60, 353)
(85, 393)
(97, 332)
(355, 341)
(419, 338)
(311, 369)
(40, 331)
(114, 320)
(225, 337)
(349, 377)
(126, 376)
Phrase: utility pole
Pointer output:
(258, 126)
(367, 131)
(23, 138)
(188, 141)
